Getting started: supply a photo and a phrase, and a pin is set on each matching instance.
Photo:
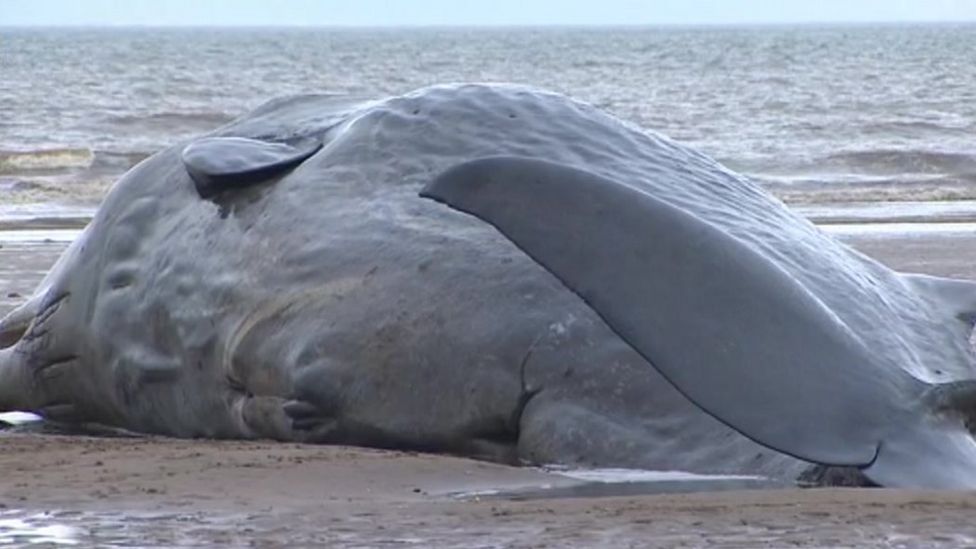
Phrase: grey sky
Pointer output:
(485, 12)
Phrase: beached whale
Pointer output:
(493, 271)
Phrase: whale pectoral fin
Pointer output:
(729, 328)
(217, 164)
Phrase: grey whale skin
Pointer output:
(494, 271)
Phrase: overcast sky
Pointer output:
(468, 12)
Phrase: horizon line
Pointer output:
(353, 26)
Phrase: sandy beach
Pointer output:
(163, 492)
(158, 492)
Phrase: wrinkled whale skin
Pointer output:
(331, 303)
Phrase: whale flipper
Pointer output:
(219, 163)
(728, 327)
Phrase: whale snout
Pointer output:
(38, 367)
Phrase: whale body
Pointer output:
(500, 272)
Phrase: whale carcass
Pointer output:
(493, 271)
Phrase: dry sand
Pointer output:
(164, 492)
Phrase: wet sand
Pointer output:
(163, 492)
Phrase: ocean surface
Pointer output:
(820, 115)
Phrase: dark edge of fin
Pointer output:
(217, 164)
(727, 327)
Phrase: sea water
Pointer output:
(818, 114)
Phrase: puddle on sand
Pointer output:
(617, 476)
(120, 529)
(18, 418)
(626, 482)
(18, 528)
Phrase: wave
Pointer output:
(895, 161)
(874, 193)
(19, 168)
(913, 127)
(176, 120)
(883, 165)
(117, 162)
(54, 159)
(89, 190)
